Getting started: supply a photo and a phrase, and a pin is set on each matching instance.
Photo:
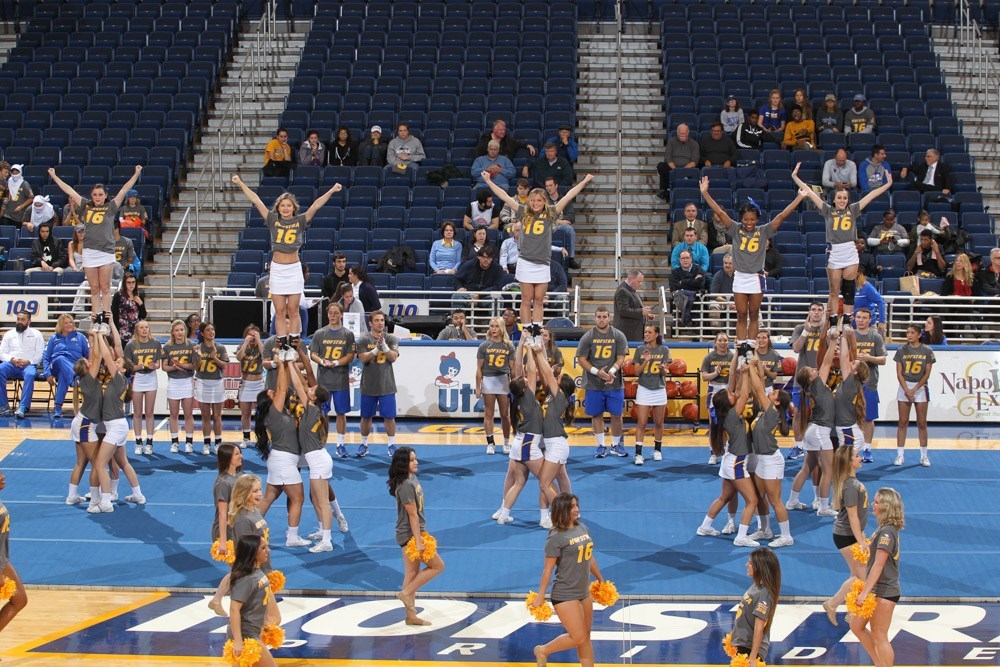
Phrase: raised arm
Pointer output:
(810, 193)
(73, 195)
(548, 377)
(756, 374)
(251, 195)
(877, 192)
(321, 201)
(724, 218)
(827, 361)
(120, 197)
(281, 386)
(574, 191)
(500, 192)
(780, 218)
(298, 385)
(95, 355)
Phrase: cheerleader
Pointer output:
(715, 371)
(769, 464)
(410, 522)
(250, 355)
(251, 602)
(19, 599)
(882, 578)
(230, 460)
(654, 358)
(913, 371)
(493, 381)
(83, 428)
(278, 444)
(752, 628)
(551, 351)
(288, 228)
(245, 517)
(179, 364)
(557, 414)
(849, 398)
(850, 499)
(770, 360)
(209, 386)
(569, 551)
(145, 353)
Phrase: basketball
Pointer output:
(689, 389)
(673, 389)
(678, 367)
(631, 387)
(690, 412)
(788, 366)
(628, 368)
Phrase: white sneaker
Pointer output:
(546, 522)
(925, 462)
(729, 529)
(244, 444)
(713, 460)
(762, 535)
(321, 547)
(105, 507)
(315, 537)
(827, 511)
(898, 460)
(342, 523)
(206, 450)
(795, 506)
(138, 450)
(496, 515)
(174, 447)
(782, 541)
(506, 449)
(147, 450)
(138, 500)
(188, 448)
(639, 460)
(491, 449)
(707, 532)
(505, 520)
(815, 504)
(94, 509)
(745, 542)
(657, 456)
(297, 542)
(73, 500)
(114, 496)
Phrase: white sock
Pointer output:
(174, 436)
(742, 532)
(326, 536)
(506, 442)
(114, 485)
(732, 517)
(600, 439)
(504, 512)
(95, 494)
(786, 530)
(899, 451)
(292, 532)
(364, 440)
(923, 452)
(824, 503)
(617, 439)
(336, 509)
(543, 513)
(392, 440)
(793, 497)
(340, 439)
(706, 523)
(136, 491)
(73, 489)
(106, 498)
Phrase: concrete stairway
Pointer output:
(644, 225)
(220, 225)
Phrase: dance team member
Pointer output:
(770, 360)
(752, 628)
(378, 351)
(145, 353)
(850, 499)
(210, 388)
(19, 600)
(251, 602)
(230, 462)
(83, 428)
(332, 348)
(871, 350)
(251, 357)
(715, 371)
(913, 371)
(652, 358)
(493, 359)
(769, 465)
(600, 355)
(179, 364)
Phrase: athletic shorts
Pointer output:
(921, 396)
(341, 400)
(117, 432)
(770, 466)
(650, 397)
(841, 255)
(82, 429)
(286, 279)
(748, 283)
(843, 541)
(850, 436)
(386, 406)
(180, 388)
(557, 450)
(249, 389)
(817, 438)
(283, 469)
(871, 404)
(525, 447)
(597, 402)
(142, 382)
(320, 464)
(733, 467)
(796, 395)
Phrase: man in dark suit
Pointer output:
(630, 315)
(931, 175)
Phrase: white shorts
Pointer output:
(180, 388)
(95, 259)
(734, 467)
(557, 450)
(117, 432)
(531, 273)
(842, 255)
(770, 466)
(747, 283)
(320, 464)
(921, 396)
(850, 436)
(145, 382)
(210, 391)
(525, 447)
(496, 384)
(817, 438)
(283, 469)
(249, 390)
(650, 397)
(82, 429)
(286, 279)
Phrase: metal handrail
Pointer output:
(982, 68)
(576, 305)
(620, 140)
(175, 267)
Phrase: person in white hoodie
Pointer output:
(404, 152)
(20, 353)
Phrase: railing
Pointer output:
(620, 141)
(185, 251)
(981, 71)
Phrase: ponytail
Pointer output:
(264, 404)
(784, 401)
(568, 387)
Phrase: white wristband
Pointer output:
(593, 370)
(614, 369)
(384, 347)
(336, 362)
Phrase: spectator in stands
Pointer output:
(718, 150)
(499, 166)
(124, 251)
(479, 274)
(799, 100)
(839, 173)
(927, 260)
(405, 153)
(871, 173)
(699, 253)
(20, 353)
(74, 250)
(859, 118)
(869, 298)
(549, 164)
(133, 213)
(564, 225)
(889, 237)
(482, 212)
(337, 277)
(364, 290)
(731, 116)
(772, 260)
(933, 333)
(65, 348)
(128, 307)
(773, 117)
(372, 152)
(509, 146)
(351, 304)
(942, 233)
(4, 175)
(17, 197)
(630, 315)
(42, 213)
(800, 133)
(69, 216)
(446, 252)
(312, 152)
(722, 284)
(558, 280)
(507, 215)
(689, 221)
(686, 281)
(457, 329)
(47, 252)
(565, 145)
(931, 175)
(988, 277)
(681, 152)
(511, 325)
(278, 155)
(750, 134)
(830, 118)
(476, 243)
(718, 242)
(867, 262)
(343, 152)
(961, 279)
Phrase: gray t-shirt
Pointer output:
(756, 603)
(211, 361)
(182, 353)
(377, 377)
(113, 405)
(536, 235)
(271, 375)
(141, 354)
(93, 396)
(841, 226)
(252, 591)
(601, 350)
(713, 362)
(915, 360)
(251, 364)
(886, 538)
(251, 522)
(650, 371)
(736, 433)
(808, 355)
(872, 343)
(771, 361)
(331, 345)
(749, 248)
(286, 235)
(552, 416)
(531, 415)
(495, 357)
(283, 430)
(100, 225)
(821, 400)
(408, 491)
(844, 399)
(310, 425)
(573, 550)
(764, 431)
(221, 492)
(855, 495)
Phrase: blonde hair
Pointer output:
(547, 211)
(503, 329)
(289, 196)
(842, 459)
(241, 493)
(63, 319)
(890, 510)
(965, 272)
(174, 325)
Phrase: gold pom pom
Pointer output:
(866, 607)
(727, 645)
(273, 636)
(277, 580)
(250, 656)
(541, 613)
(859, 554)
(230, 555)
(743, 660)
(428, 552)
(604, 593)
